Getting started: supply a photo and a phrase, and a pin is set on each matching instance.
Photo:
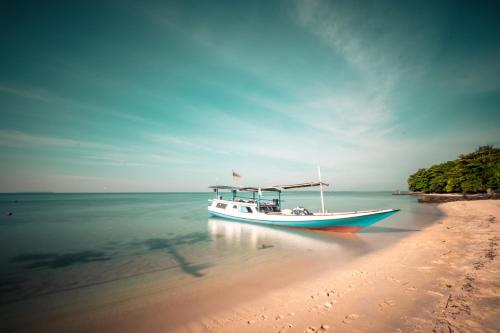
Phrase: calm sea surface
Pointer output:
(57, 242)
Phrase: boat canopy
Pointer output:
(301, 185)
(245, 188)
(274, 188)
(223, 187)
(263, 189)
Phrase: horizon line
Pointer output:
(160, 192)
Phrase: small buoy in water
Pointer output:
(9, 213)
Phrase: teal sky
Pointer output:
(168, 96)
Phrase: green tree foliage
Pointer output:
(470, 173)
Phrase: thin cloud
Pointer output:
(38, 95)
(92, 153)
(184, 143)
(12, 138)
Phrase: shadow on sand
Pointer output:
(169, 244)
(54, 260)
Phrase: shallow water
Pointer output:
(57, 242)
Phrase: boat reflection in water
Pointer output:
(233, 235)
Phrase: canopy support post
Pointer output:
(258, 199)
(279, 201)
(321, 191)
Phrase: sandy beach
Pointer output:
(441, 279)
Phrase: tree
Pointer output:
(469, 173)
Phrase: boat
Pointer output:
(260, 210)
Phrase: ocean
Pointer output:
(55, 244)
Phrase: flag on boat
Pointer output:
(236, 175)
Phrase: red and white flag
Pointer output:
(236, 175)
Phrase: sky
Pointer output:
(112, 96)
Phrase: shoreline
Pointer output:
(448, 197)
(442, 279)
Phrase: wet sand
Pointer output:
(443, 278)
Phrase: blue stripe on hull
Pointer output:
(359, 221)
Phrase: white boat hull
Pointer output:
(344, 222)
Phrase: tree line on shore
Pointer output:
(476, 172)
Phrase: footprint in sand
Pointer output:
(349, 318)
(385, 303)
(329, 293)
(328, 305)
(285, 328)
(322, 328)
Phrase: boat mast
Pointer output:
(321, 191)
